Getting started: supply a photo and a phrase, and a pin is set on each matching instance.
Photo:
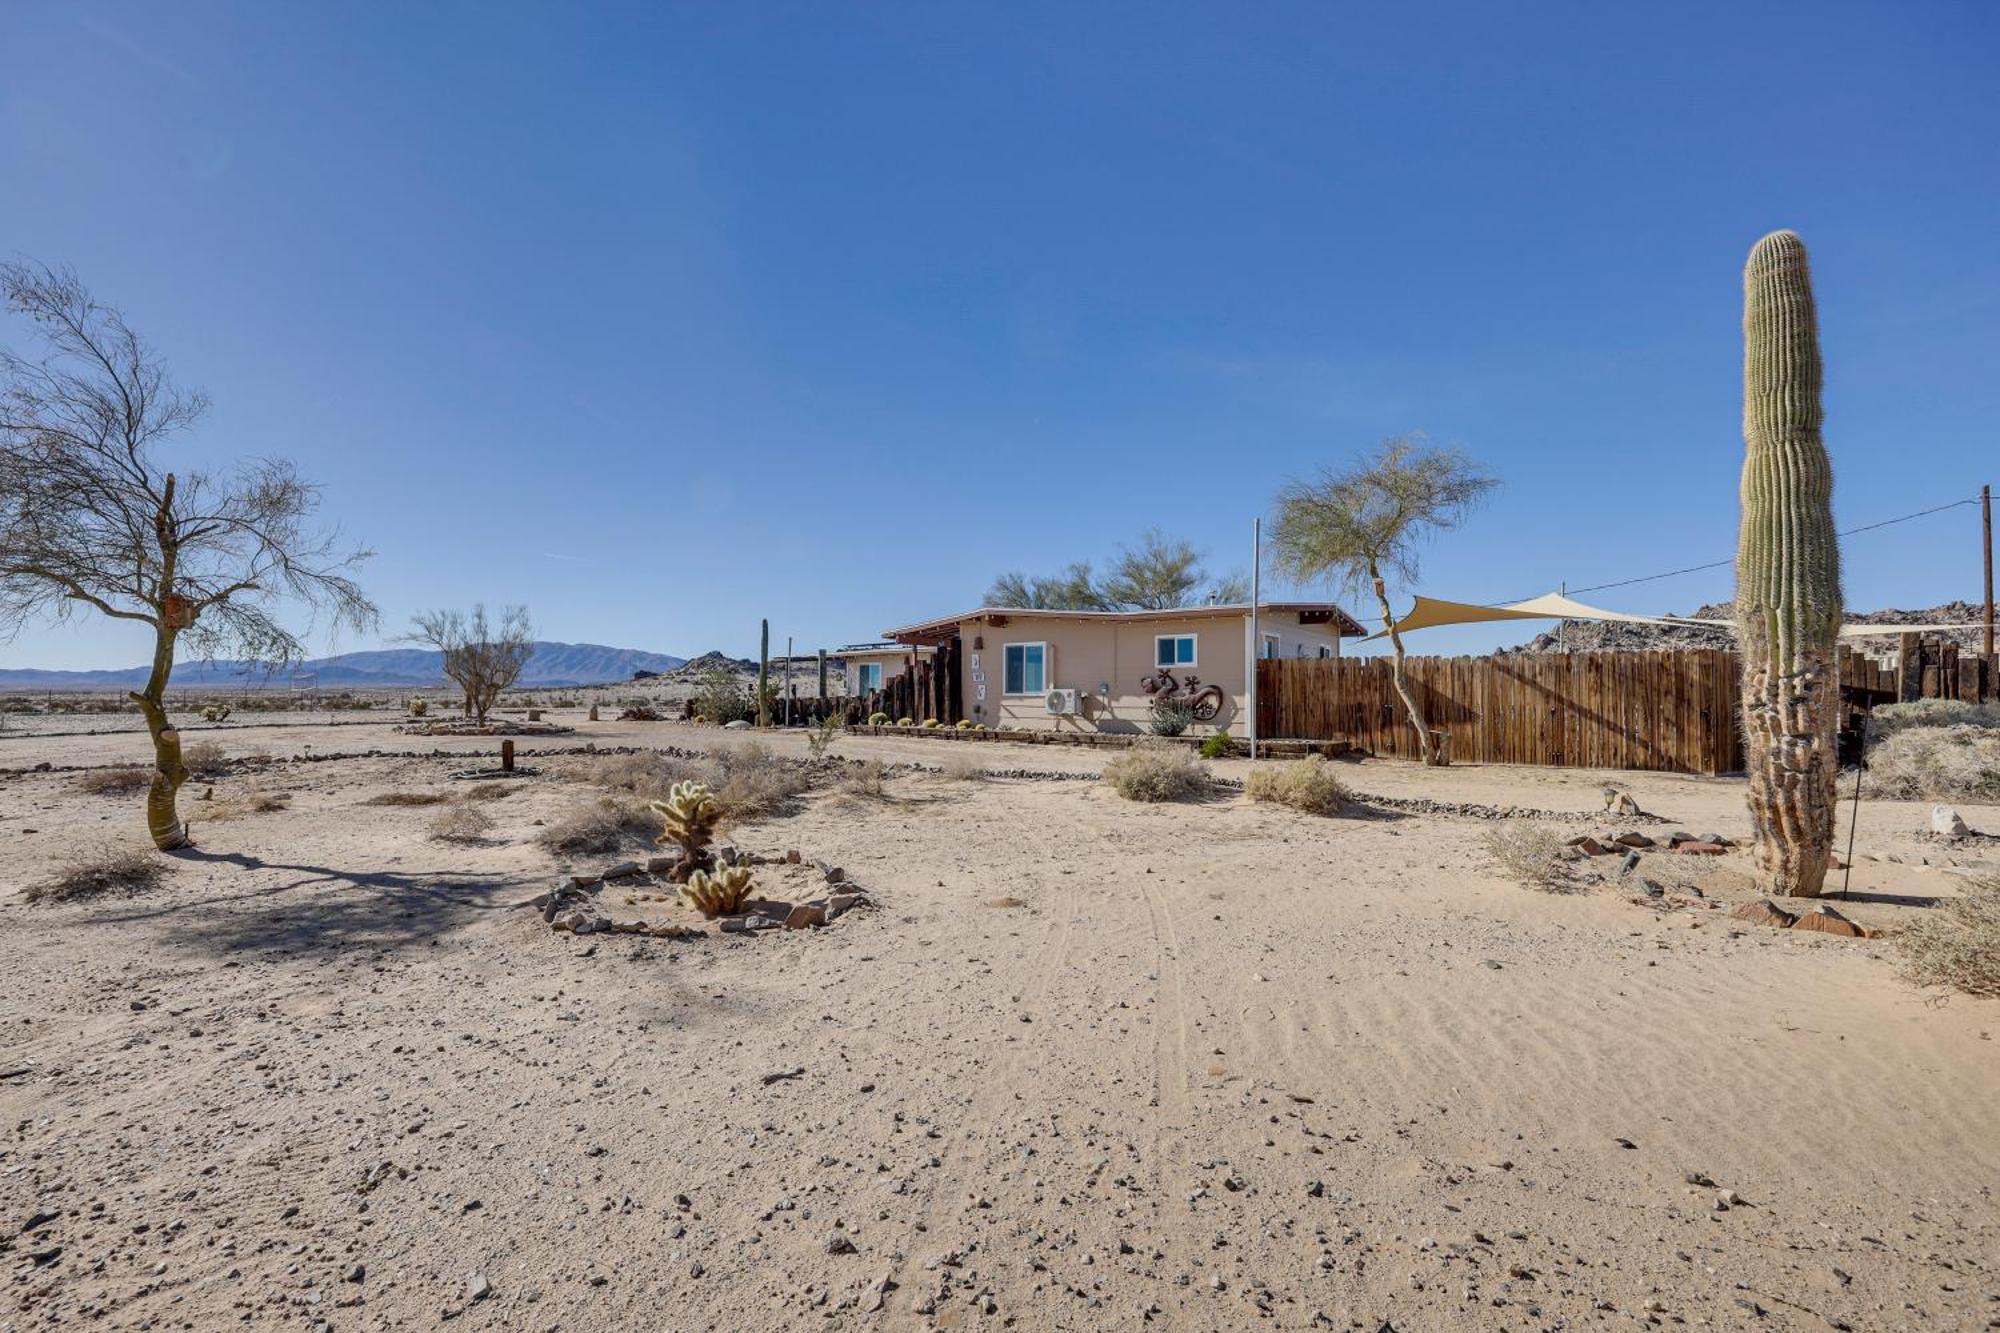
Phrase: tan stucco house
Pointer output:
(870, 666)
(1107, 670)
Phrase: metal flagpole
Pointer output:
(1256, 622)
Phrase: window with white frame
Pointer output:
(867, 677)
(1025, 668)
(1325, 651)
(1270, 646)
(1172, 650)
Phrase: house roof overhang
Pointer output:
(1336, 620)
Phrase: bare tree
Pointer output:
(89, 519)
(1360, 526)
(482, 658)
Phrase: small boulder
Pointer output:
(1945, 822)
(1764, 912)
(806, 914)
(1701, 847)
(840, 903)
(738, 725)
(623, 870)
(1634, 840)
(1827, 921)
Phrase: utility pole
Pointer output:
(1986, 522)
(1256, 624)
(788, 680)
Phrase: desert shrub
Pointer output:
(1536, 856)
(1957, 943)
(1937, 763)
(601, 825)
(751, 782)
(963, 768)
(1889, 719)
(408, 798)
(1170, 721)
(419, 707)
(204, 757)
(460, 823)
(491, 791)
(1217, 746)
(1157, 773)
(1306, 785)
(215, 713)
(255, 801)
(114, 781)
(109, 870)
(640, 713)
(647, 775)
(720, 698)
(821, 735)
(868, 780)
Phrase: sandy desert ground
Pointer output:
(1223, 1066)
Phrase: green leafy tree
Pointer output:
(1359, 527)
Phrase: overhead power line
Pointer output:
(1720, 564)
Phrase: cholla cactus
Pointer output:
(690, 815)
(719, 892)
(1787, 574)
(418, 707)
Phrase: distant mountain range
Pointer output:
(553, 664)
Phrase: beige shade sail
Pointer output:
(1435, 612)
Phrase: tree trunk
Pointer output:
(163, 818)
(1424, 747)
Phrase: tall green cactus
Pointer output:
(1787, 574)
(764, 674)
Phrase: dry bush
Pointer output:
(1157, 773)
(867, 780)
(409, 798)
(602, 825)
(460, 823)
(963, 768)
(114, 781)
(1889, 719)
(491, 791)
(751, 782)
(1536, 856)
(204, 757)
(1308, 785)
(1937, 763)
(646, 775)
(1957, 943)
(252, 802)
(110, 870)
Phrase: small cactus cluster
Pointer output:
(932, 723)
(690, 815)
(963, 724)
(906, 722)
(418, 707)
(878, 719)
(719, 892)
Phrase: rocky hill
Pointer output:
(1608, 636)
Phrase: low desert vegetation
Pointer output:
(962, 768)
(254, 801)
(1307, 785)
(114, 781)
(460, 823)
(1536, 856)
(647, 775)
(1889, 719)
(491, 791)
(604, 824)
(1155, 773)
(821, 735)
(400, 798)
(204, 757)
(751, 782)
(1171, 720)
(1960, 763)
(122, 870)
(1957, 943)
(1218, 746)
(867, 781)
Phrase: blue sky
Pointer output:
(663, 318)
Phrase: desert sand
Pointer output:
(1083, 1064)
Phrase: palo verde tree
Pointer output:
(90, 519)
(481, 656)
(1360, 527)
(1160, 573)
(1788, 602)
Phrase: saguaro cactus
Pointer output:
(764, 674)
(1787, 574)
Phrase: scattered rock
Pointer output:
(1701, 847)
(838, 1242)
(1827, 921)
(1634, 840)
(479, 1288)
(1945, 822)
(1763, 912)
(806, 914)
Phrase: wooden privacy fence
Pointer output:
(1672, 711)
(1669, 711)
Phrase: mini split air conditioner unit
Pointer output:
(1063, 703)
